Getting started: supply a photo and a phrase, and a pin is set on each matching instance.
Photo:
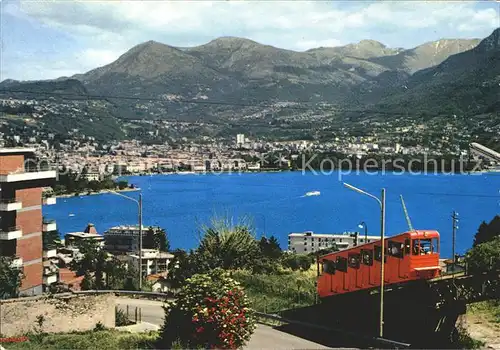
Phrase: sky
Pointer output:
(50, 39)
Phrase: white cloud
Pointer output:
(307, 44)
(104, 30)
(315, 20)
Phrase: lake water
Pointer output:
(276, 205)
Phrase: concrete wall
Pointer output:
(61, 314)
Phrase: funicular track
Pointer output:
(421, 313)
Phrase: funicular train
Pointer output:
(409, 256)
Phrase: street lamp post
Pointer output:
(362, 224)
(381, 202)
(139, 205)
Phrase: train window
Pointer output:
(422, 247)
(341, 264)
(435, 245)
(407, 246)
(329, 267)
(354, 260)
(367, 257)
(396, 249)
(378, 254)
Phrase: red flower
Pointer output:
(200, 329)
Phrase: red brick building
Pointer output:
(22, 179)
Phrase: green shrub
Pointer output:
(121, 318)
(279, 291)
(211, 311)
(99, 327)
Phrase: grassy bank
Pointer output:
(105, 339)
(480, 326)
(282, 290)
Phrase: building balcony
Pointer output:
(49, 225)
(51, 279)
(9, 233)
(49, 200)
(50, 253)
(44, 172)
(48, 196)
(11, 204)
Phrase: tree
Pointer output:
(298, 261)
(92, 264)
(156, 238)
(228, 246)
(487, 232)
(122, 184)
(211, 312)
(10, 279)
(484, 257)
(270, 248)
(148, 241)
(162, 242)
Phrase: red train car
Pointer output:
(408, 256)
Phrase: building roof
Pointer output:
(128, 227)
(153, 254)
(90, 229)
(68, 277)
(85, 235)
(328, 235)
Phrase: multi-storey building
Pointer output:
(73, 239)
(22, 180)
(153, 261)
(307, 242)
(123, 239)
(50, 268)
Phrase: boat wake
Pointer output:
(312, 193)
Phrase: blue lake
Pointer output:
(276, 205)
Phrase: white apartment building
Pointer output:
(240, 139)
(153, 261)
(307, 242)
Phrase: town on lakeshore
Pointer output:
(359, 178)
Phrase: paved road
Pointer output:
(265, 337)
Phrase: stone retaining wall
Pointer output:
(64, 313)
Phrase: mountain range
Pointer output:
(444, 76)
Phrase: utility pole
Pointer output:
(381, 202)
(454, 217)
(382, 262)
(140, 241)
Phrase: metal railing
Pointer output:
(8, 200)
(125, 292)
(9, 229)
(34, 167)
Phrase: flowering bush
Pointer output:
(211, 312)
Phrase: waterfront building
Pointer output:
(22, 180)
(153, 261)
(124, 239)
(307, 242)
(72, 239)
